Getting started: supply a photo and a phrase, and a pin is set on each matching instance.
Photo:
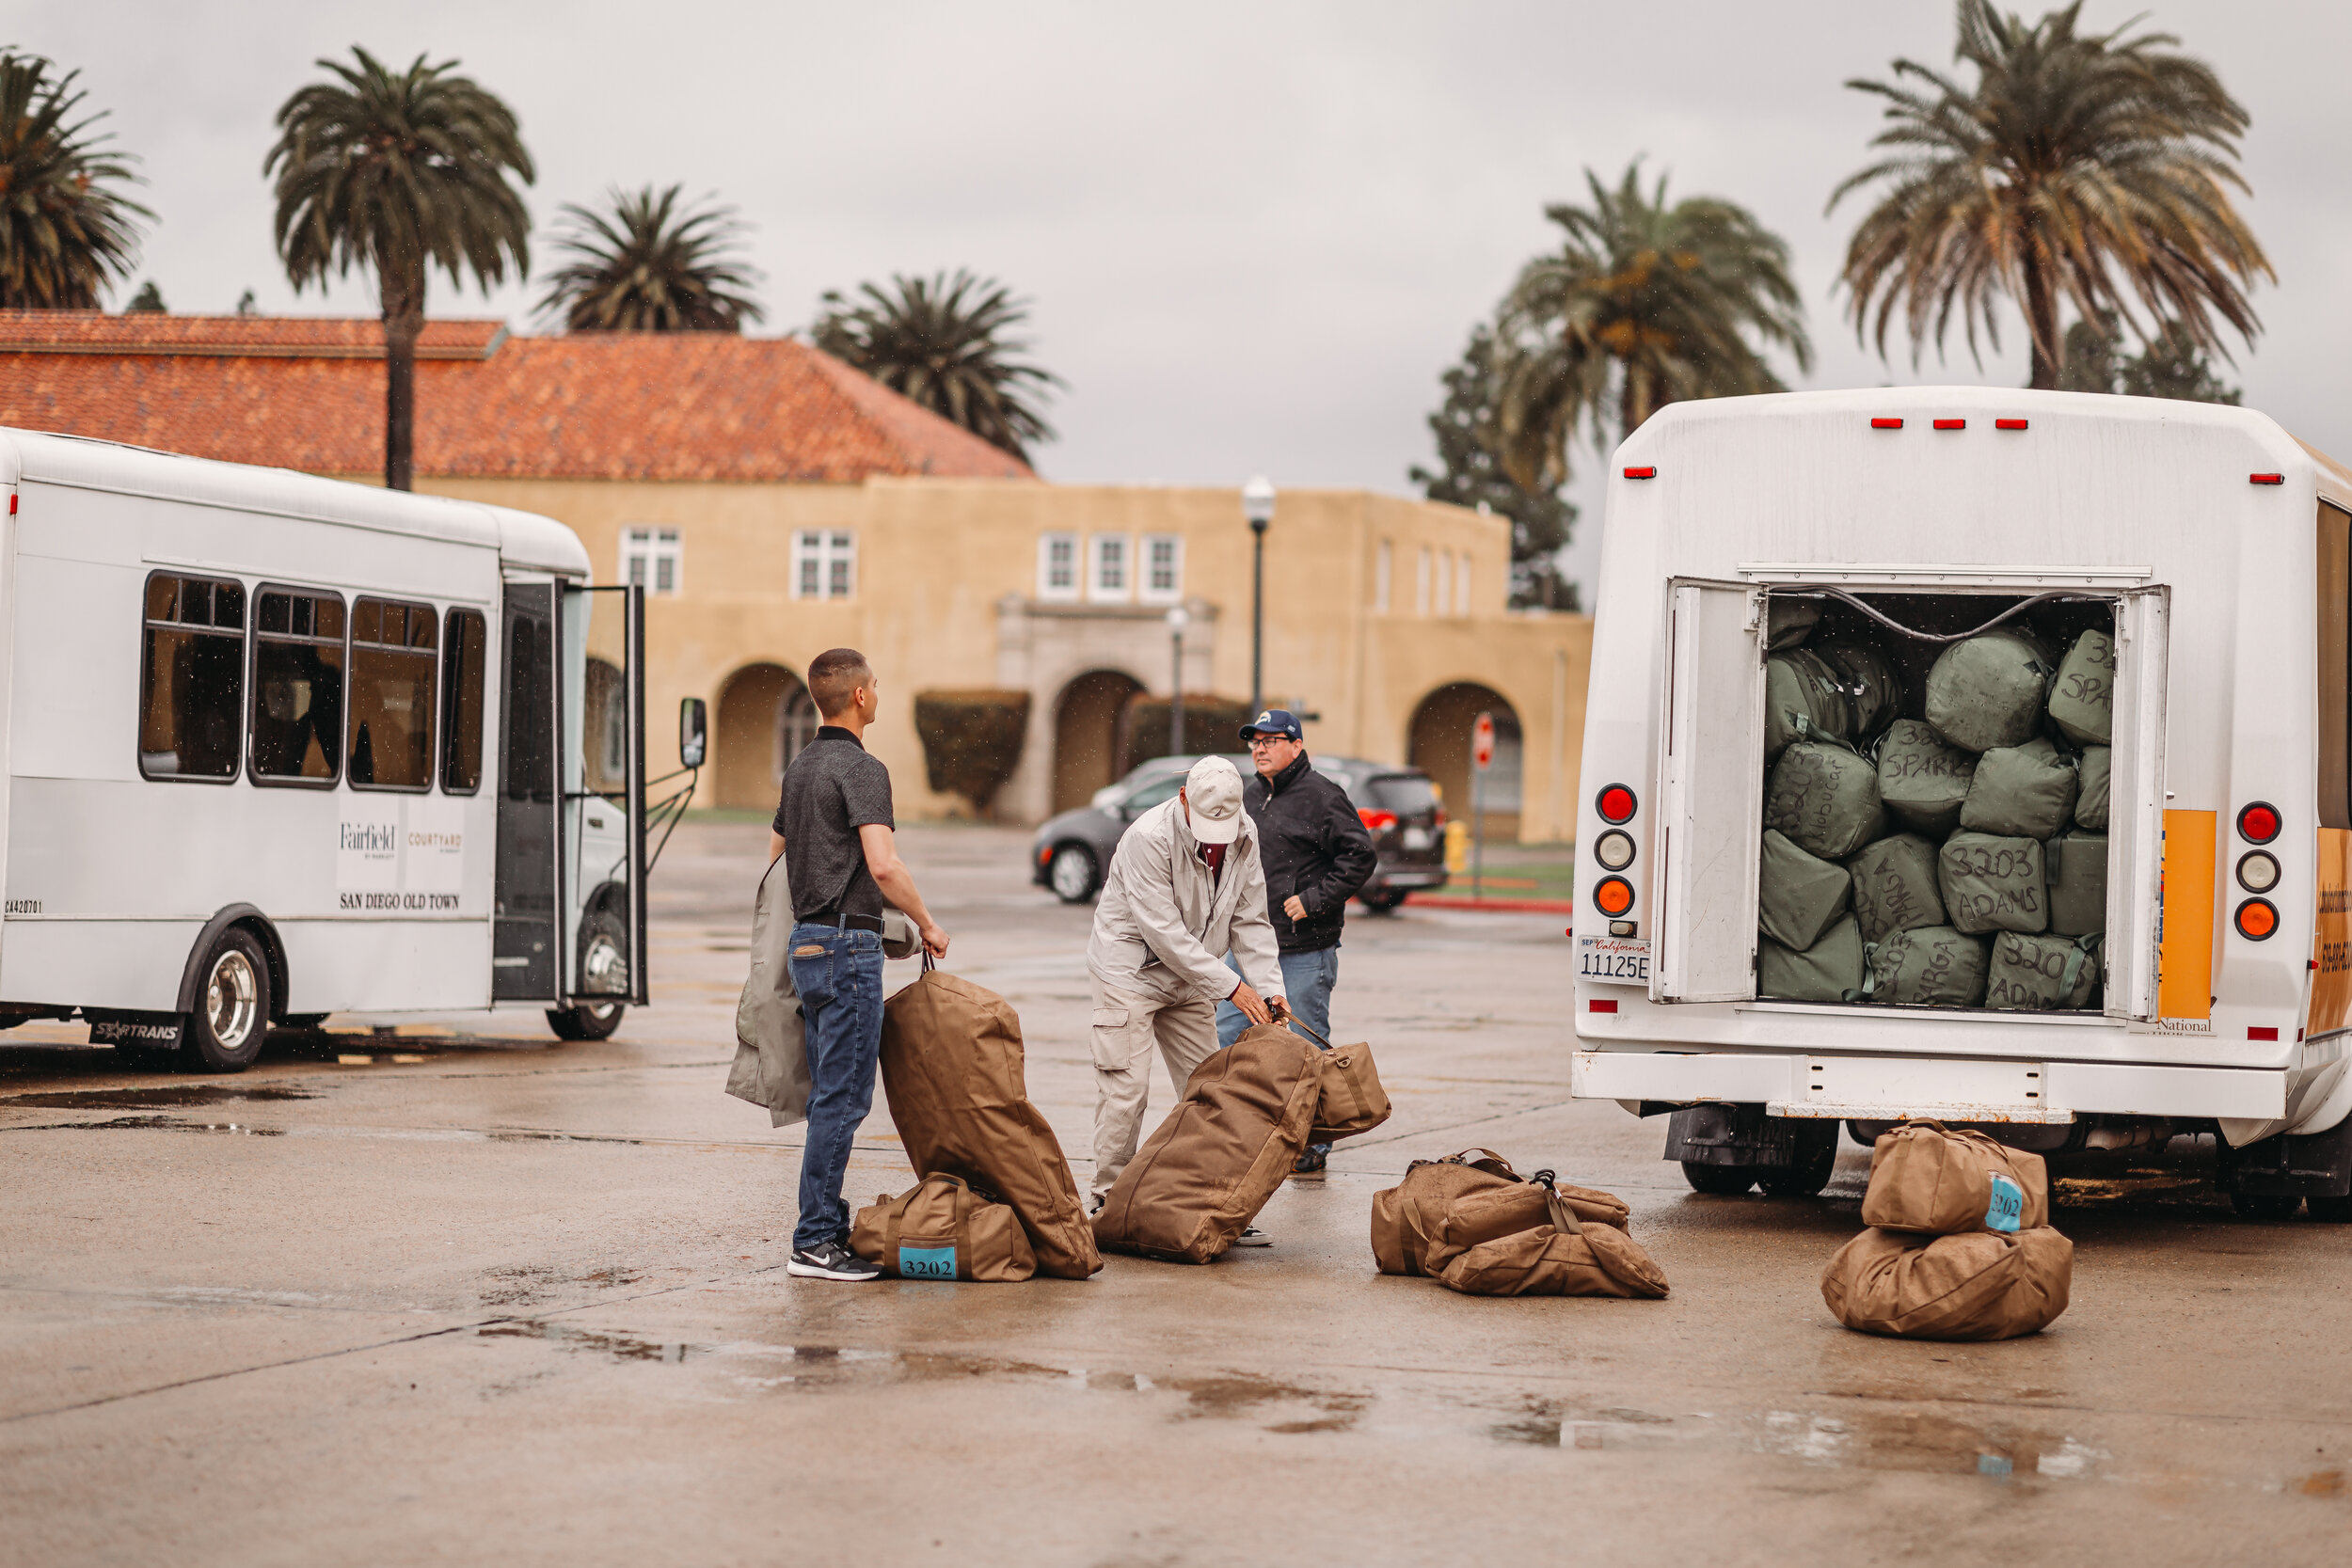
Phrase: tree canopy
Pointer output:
(66, 230)
(1469, 474)
(649, 267)
(945, 344)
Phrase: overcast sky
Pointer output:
(1254, 234)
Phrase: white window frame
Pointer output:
(645, 548)
(832, 551)
(1462, 584)
(1098, 547)
(1441, 600)
(1383, 568)
(1046, 587)
(1147, 567)
(1421, 581)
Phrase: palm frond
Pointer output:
(945, 343)
(66, 230)
(649, 267)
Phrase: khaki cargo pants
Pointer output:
(1126, 1025)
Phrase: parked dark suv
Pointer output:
(1399, 806)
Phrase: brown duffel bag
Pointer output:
(1492, 1213)
(1563, 1257)
(1988, 1285)
(1946, 1182)
(940, 1229)
(952, 1067)
(1201, 1177)
(1405, 1217)
(1351, 1099)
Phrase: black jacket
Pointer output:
(1312, 844)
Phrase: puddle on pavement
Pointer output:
(1551, 1424)
(1249, 1398)
(175, 1095)
(1922, 1440)
(151, 1124)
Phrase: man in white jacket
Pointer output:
(1184, 889)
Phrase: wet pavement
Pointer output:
(453, 1289)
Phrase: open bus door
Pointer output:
(601, 817)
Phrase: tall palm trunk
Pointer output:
(1636, 400)
(404, 324)
(2040, 319)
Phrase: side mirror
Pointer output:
(693, 731)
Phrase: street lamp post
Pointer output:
(1257, 505)
(1176, 619)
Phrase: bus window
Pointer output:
(393, 659)
(191, 677)
(467, 641)
(297, 687)
(2335, 650)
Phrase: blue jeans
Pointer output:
(839, 976)
(1307, 982)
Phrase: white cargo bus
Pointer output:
(275, 746)
(2215, 553)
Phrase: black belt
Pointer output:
(846, 922)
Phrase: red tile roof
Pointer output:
(303, 393)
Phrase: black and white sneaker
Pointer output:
(1253, 1237)
(831, 1260)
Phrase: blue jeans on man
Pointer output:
(1307, 982)
(840, 984)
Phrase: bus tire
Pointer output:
(1720, 1180)
(230, 1019)
(588, 1022)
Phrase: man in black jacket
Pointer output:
(1317, 854)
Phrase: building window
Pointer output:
(1443, 599)
(191, 677)
(1420, 582)
(1058, 566)
(1383, 567)
(1107, 579)
(1163, 568)
(654, 559)
(824, 564)
(1461, 585)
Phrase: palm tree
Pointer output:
(396, 171)
(2073, 157)
(649, 268)
(1660, 300)
(64, 231)
(942, 343)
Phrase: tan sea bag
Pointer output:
(1351, 1099)
(953, 1069)
(940, 1229)
(1493, 1213)
(1563, 1257)
(1405, 1217)
(1985, 1286)
(1199, 1179)
(1928, 1177)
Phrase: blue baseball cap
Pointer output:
(1275, 720)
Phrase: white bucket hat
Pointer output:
(1213, 795)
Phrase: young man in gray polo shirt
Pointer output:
(835, 817)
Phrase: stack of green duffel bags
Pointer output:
(1954, 860)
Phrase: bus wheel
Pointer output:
(1721, 1180)
(232, 1015)
(586, 1022)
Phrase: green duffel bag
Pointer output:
(2020, 791)
(1895, 886)
(2076, 867)
(1929, 966)
(1987, 691)
(1826, 798)
(1791, 622)
(1923, 778)
(1802, 700)
(1993, 883)
(1873, 687)
(2082, 698)
(2090, 801)
(1797, 894)
(1829, 971)
(2041, 974)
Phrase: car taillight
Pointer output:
(1375, 820)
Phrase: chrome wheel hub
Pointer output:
(232, 998)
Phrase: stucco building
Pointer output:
(775, 503)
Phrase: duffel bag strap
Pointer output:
(890, 1232)
(1295, 1022)
(1464, 1158)
(2085, 946)
(1562, 1217)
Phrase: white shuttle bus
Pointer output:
(2212, 551)
(275, 746)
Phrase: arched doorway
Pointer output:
(1086, 742)
(1439, 742)
(765, 717)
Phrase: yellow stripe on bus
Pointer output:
(2184, 967)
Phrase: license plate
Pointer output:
(1417, 838)
(1620, 961)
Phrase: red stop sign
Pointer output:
(1483, 741)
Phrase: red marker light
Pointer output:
(1616, 805)
(2256, 1032)
(1951, 424)
(1887, 424)
(2266, 479)
(2258, 823)
(1641, 473)
(1598, 1004)
(2008, 424)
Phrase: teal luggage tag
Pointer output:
(2008, 1205)
(939, 1263)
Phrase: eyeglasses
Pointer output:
(1258, 741)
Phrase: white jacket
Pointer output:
(1163, 927)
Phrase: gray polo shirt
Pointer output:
(833, 788)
